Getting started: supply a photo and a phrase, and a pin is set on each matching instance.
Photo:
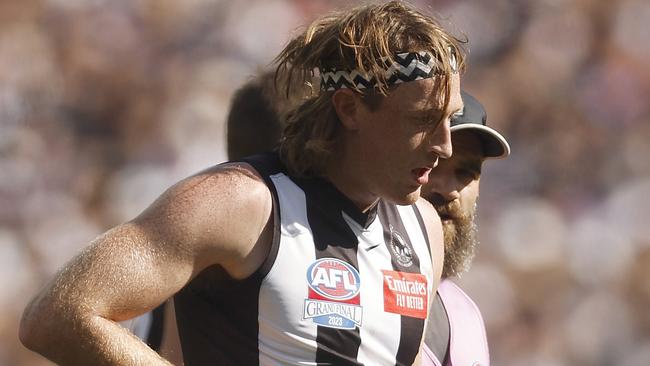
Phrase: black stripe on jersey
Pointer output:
(154, 338)
(411, 328)
(217, 319)
(333, 238)
(267, 165)
(438, 330)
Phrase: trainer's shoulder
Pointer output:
(468, 327)
(454, 296)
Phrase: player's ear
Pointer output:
(347, 104)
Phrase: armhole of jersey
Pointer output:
(424, 228)
(275, 243)
(267, 165)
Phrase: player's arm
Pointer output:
(221, 216)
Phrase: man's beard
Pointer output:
(461, 242)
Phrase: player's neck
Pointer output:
(347, 178)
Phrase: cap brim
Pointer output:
(495, 145)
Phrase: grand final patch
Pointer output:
(405, 294)
(333, 294)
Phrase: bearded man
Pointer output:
(455, 332)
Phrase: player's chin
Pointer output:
(407, 198)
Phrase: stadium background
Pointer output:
(104, 103)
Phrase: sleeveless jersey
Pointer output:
(339, 286)
(467, 340)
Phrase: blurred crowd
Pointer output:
(103, 104)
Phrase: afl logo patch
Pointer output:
(333, 279)
(333, 299)
(401, 248)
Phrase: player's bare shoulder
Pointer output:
(429, 214)
(223, 212)
(434, 231)
(432, 222)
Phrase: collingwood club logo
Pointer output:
(401, 249)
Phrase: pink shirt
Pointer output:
(467, 340)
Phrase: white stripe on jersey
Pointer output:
(296, 252)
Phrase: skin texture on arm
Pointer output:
(220, 216)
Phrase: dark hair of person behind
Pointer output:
(253, 124)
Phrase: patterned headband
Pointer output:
(408, 66)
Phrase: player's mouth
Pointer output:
(421, 175)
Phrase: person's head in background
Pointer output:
(253, 123)
(453, 186)
(257, 111)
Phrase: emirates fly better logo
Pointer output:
(333, 294)
(406, 293)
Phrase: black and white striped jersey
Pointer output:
(339, 286)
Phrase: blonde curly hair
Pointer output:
(365, 39)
